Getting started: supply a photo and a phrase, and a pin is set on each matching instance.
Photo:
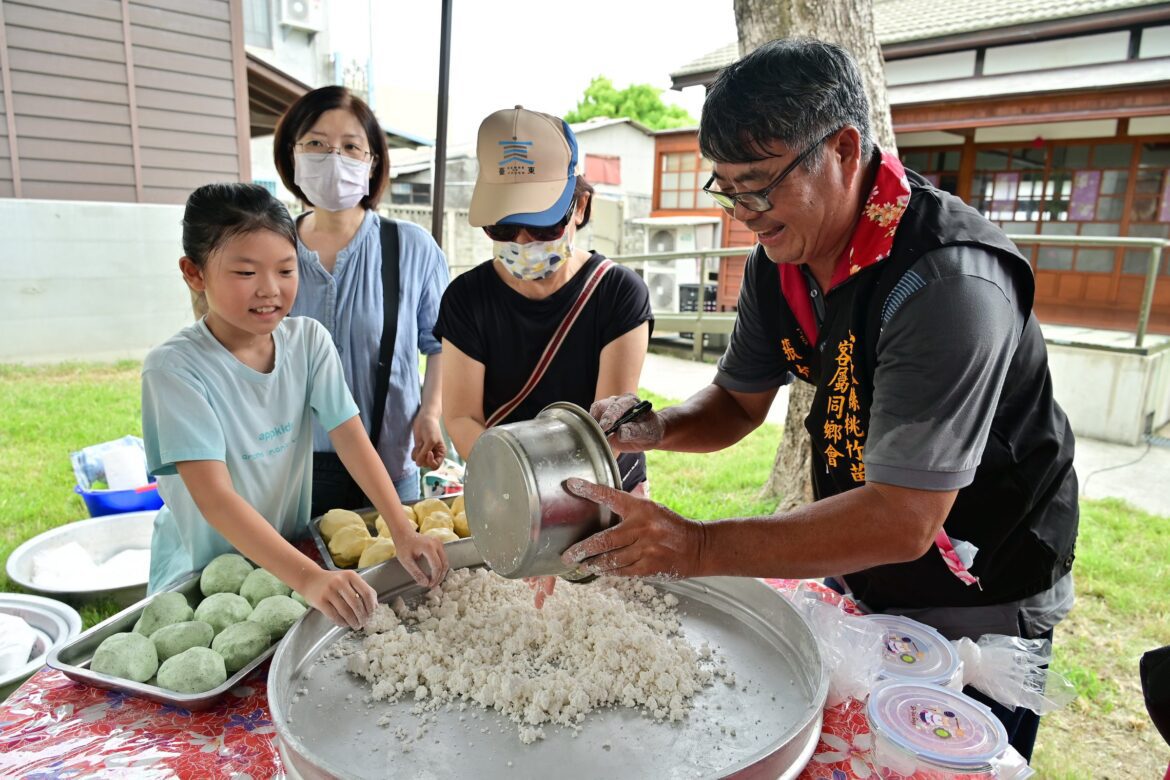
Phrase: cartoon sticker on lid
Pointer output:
(936, 720)
(903, 648)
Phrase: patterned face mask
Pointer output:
(535, 260)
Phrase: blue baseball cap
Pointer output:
(527, 169)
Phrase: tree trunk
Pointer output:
(848, 23)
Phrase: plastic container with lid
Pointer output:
(915, 652)
(929, 732)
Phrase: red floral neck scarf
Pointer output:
(870, 243)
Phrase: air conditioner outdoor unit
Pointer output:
(663, 286)
(303, 14)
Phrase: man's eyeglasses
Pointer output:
(539, 233)
(758, 200)
(350, 150)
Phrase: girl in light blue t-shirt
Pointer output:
(227, 411)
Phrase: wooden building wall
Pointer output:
(121, 100)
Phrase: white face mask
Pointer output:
(535, 260)
(332, 182)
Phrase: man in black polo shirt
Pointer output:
(942, 466)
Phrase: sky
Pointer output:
(538, 53)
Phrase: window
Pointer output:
(681, 176)
(938, 166)
(1149, 216)
(1078, 189)
(258, 23)
(603, 169)
(410, 193)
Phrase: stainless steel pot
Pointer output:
(519, 514)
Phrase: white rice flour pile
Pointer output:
(479, 639)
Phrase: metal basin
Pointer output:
(520, 516)
(103, 538)
(766, 726)
(54, 624)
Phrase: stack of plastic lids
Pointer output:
(930, 731)
(915, 652)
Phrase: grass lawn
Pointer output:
(1122, 568)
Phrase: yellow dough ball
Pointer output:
(381, 550)
(457, 505)
(428, 505)
(381, 527)
(348, 544)
(443, 534)
(461, 528)
(336, 519)
(408, 513)
(437, 520)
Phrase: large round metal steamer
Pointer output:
(765, 726)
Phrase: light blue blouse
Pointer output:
(349, 303)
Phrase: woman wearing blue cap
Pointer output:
(543, 320)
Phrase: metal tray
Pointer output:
(368, 514)
(766, 726)
(73, 659)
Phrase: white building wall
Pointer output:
(635, 148)
(1060, 53)
(86, 280)
(1112, 396)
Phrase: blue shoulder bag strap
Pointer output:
(390, 297)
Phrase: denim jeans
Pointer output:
(334, 488)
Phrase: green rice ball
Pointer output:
(196, 670)
(163, 610)
(277, 614)
(225, 574)
(298, 598)
(260, 584)
(128, 655)
(220, 610)
(177, 637)
(240, 643)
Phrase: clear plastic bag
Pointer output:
(1011, 670)
(851, 647)
(90, 464)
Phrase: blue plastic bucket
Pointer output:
(109, 502)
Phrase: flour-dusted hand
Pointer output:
(643, 433)
(413, 549)
(649, 540)
(343, 596)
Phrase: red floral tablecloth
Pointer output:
(52, 727)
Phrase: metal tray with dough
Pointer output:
(766, 725)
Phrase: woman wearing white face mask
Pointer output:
(497, 320)
(331, 153)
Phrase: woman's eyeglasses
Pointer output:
(538, 233)
(758, 200)
(350, 150)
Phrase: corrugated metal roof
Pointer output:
(898, 21)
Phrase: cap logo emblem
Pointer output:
(515, 158)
